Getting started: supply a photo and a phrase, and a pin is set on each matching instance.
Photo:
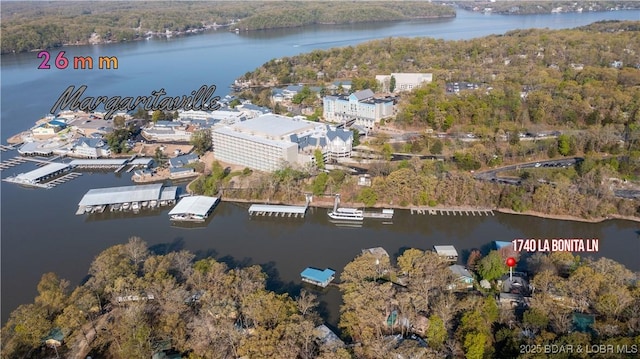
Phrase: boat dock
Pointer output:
(193, 208)
(127, 198)
(279, 210)
(36, 177)
(452, 211)
(65, 178)
(11, 162)
(118, 164)
(4, 148)
(385, 214)
(318, 277)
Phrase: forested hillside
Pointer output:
(136, 302)
(28, 26)
(584, 83)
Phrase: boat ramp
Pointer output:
(127, 198)
(193, 208)
(452, 211)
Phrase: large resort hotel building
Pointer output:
(361, 107)
(270, 141)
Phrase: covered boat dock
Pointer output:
(126, 197)
(35, 177)
(448, 252)
(318, 277)
(193, 208)
(277, 210)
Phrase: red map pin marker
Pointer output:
(511, 262)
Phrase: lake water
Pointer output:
(40, 233)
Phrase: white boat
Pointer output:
(135, 206)
(126, 205)
(347, 214)
(145, 204)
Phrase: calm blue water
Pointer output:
(40, 232)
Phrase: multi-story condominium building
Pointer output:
(269, 142)
(361, 107)
(404, 81)
(91, 148)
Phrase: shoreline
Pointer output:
(566, 217)
(327, 204)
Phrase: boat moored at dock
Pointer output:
(346, 214)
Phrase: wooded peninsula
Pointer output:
(28, 26)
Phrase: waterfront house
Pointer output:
(463, 278)
(448, 252)
(318, 277)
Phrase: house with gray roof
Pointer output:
(462, 277)
(181, 161)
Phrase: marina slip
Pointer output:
(556, 245)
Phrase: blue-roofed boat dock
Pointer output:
(318, 277)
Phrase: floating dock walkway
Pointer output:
(66, 178)
(452, 211)
(12, 162)
(4, 148)
(385, 214)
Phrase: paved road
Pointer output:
(492, 175)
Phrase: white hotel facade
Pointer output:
(360, 106)
(269, 142)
